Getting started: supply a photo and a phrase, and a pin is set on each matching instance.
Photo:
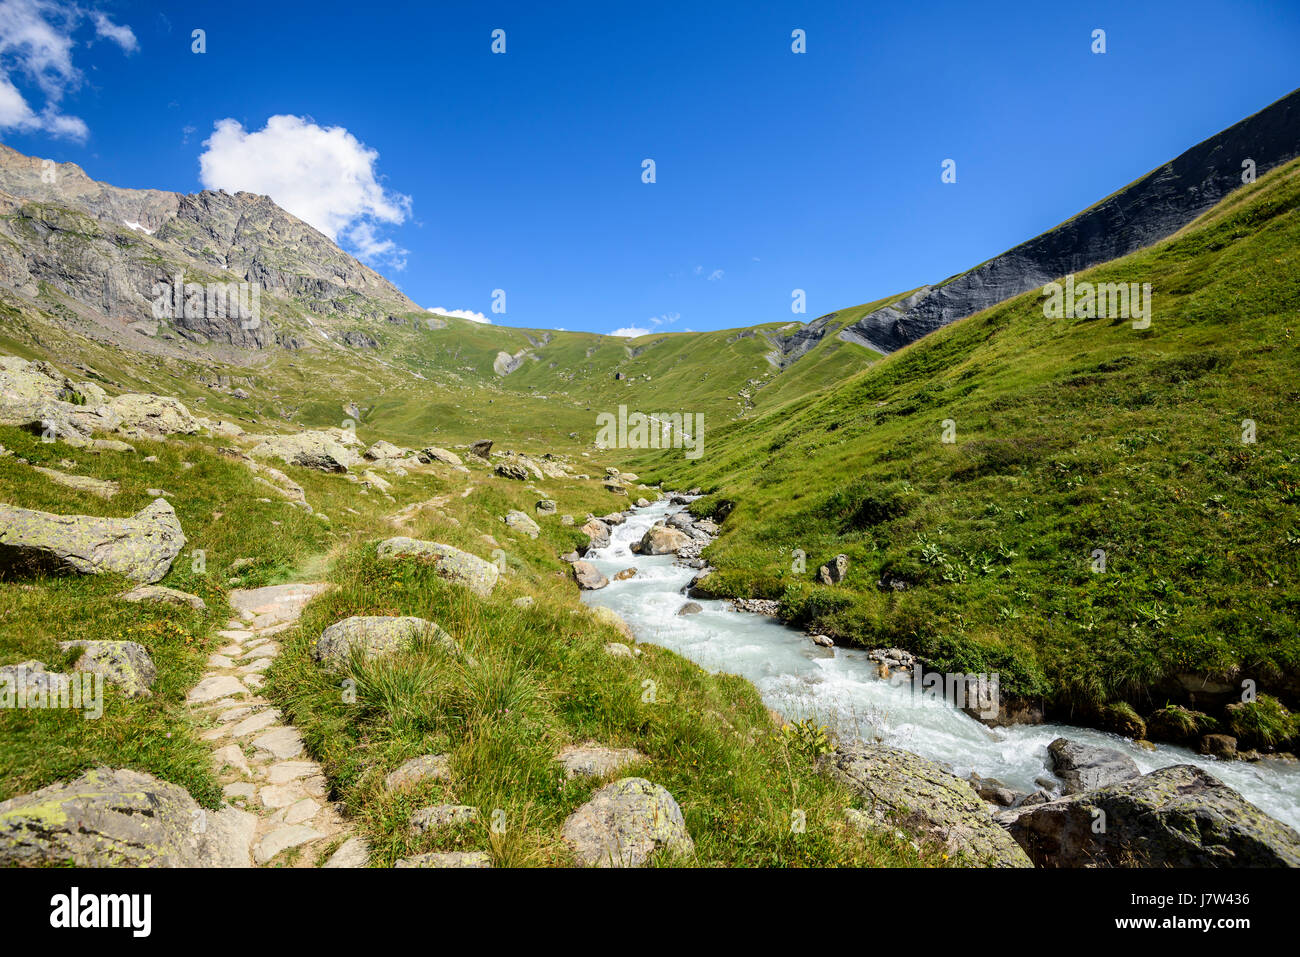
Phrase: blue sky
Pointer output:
(457, 171)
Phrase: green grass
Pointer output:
(529, 680)
(1071, 435)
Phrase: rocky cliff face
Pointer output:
(1155, 206)
(793, 343)
(106, 249)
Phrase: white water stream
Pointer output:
(840, 687)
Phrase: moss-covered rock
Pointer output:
(1174, 817)
(904, 789)
(120, 818)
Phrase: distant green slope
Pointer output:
(1071, 435)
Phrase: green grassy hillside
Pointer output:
(1071, 435)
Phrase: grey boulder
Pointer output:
(1082, 767)
(625, 824)
(907, 790)
(141, 548)
(1178, 816)
(372, 636)
(121, 818)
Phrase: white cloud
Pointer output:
(715, 275)
(36, 44)
(630, 332)
(323, 175)
(668, 318)
(122, 36)
(461, 314)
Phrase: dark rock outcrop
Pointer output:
(1174, 817)
(1148, 210)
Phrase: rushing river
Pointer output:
(840, 687)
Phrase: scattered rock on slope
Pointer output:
(124, 663)
(162, 595)
(521, 522)
(313, 450)
(625, 824)
(450, 563)
(141, 548)
(371, 636)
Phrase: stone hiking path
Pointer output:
(259, 758)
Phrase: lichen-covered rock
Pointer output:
(442, 815)
(833, 572)
(162, 595)
(123, 663)
(314, 450)
(29, 678)
(152, 416)
(521, 522)
(1082, 767)
(81, 483)
(593, 760)
(588, 576)
(512, 470)
(1178, 816)
(435, 454)
(386, 450)
(141, 548)
(448, 859)
(905, 789)
(372, 636)
(663, 540)
(625, 824)
(545, 507)
(121, 818)
(450, 563)
(426, 767)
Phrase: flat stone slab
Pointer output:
(231, 756)
(283, 743)
(300, 812)
(287, 771)
(255, 723)
(214, 687)
(276, 604)
(448, 859)
(239, 789)
(354, 852)
(276, 796)
(283, 838)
